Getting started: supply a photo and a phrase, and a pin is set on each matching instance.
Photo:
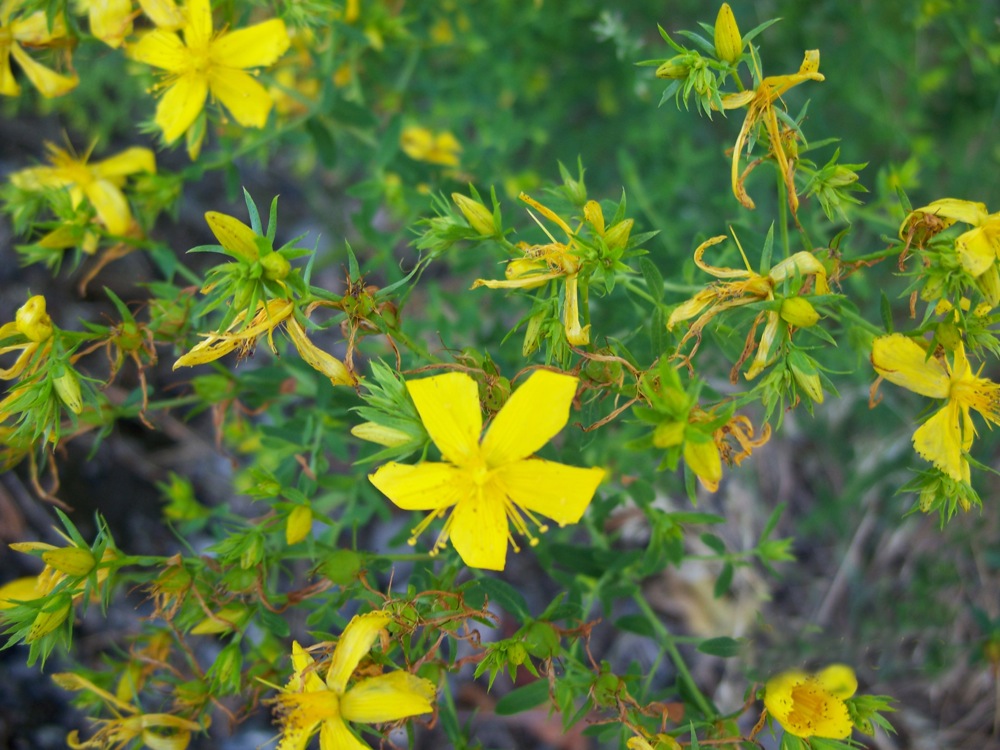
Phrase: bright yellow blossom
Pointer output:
(978, 248)
(420, 144)
(32, 30)
(490, 482)
(99, 182)
(812, 705)
(30, 328)
(204, 62)
(947, 436)
(761, 108)
(752, 287)
(543, 263)
(309, 703)
(111, 20)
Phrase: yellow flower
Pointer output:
(99, 182)
(979, 247)
(111, 20)
(420, 144)
(812, 705)
(32, 30)
(30, 328)
(947, 435)
(309, 703)
(761, 107)
(488, 482)
(19, 590)
(752, 287)
(204, 63)
(543, 263)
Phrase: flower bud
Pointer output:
(532, 335)
(595, 216)
(842, 177)
(231, 617)
(988, 283)
(50, 617)
(373, 432)
(728, 44)
(669, 434)
(276, 266)
(33, 321)
(806, 376)
(617, 236)
(298, 524)
(73, 561)
(67, 387)
(701, 454)
(799, 312)
(479, 217)
(673, 69)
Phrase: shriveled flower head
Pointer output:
(32, 30)
(199, 61)
(978, 248)
(30, 328)
(310, 703)
(491, 484)
(812, 705)
(947, 436)
(99, 182)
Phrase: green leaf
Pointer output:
(635, 624)
(723, 647)
(523, 698)
(724, 581)
(886, 308)
(506, 596)
(326, 146)
(654, 279)
(715, 543)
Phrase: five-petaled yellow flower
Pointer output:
(812, 705)
(32, 30)
(487, 482)
(309, 703)
(751, 287)
(420, 144)
(979, 247)
(99, 182)
(947, 435)
(203, 62)
(761, 108)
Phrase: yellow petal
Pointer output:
(690, 308)
(901, 360)
(321, 361)
(255, 46)
(111, 20)
(388, 697)
(939, 440)
(763, 354)
(449, 408)
(8, 84)
(18, 590)
(304, 678)
(532, 416)
(530, 281)
(198, 30)
(247, 101)
(478, 528)
(129, 161)
(576, 334)
(356, 641)
(302, 713)
(334, 735)
(978, 248)
(34, 29)
(838, 680)
(180, 105)
(551, 489)
(968, 212)
(110, 204)
(208, 350)
(164, 13)
(423, 486)
(703, 458)
(48, 82)
(161, 49)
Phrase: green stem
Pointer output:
(857, 319)
(783, 214)
(669, 645)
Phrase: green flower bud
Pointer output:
(806, 376)
(50, 617)
(276, 266)
(73, 561)
(541, 640)
(669, 434)
(617, 236)
(673, 69)
(67, 387)
(479, 217)
(799, 312)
